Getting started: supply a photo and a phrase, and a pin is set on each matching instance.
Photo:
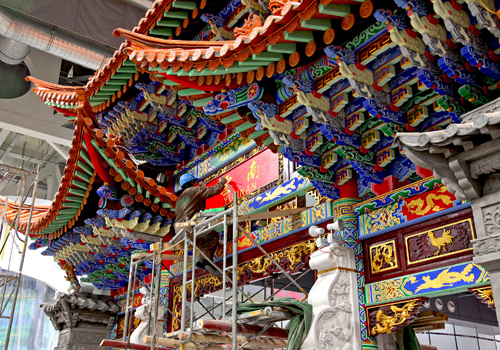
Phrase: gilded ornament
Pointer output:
(383, 218)
(384, 253)
(441, 242)
(294, 254)
(420, 207)
(445, 279)
(386, 323)
(485, 294)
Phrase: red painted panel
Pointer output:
(247, 177)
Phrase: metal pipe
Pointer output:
(16, 220)
(52, 39)
(224, 267)
(184, 287)
(234, 314)
(12, 52)
(22, 259)
(131, 279)
(157, 299)
(212, 219)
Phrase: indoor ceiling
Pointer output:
(29, 130)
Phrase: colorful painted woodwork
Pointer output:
(286, 98)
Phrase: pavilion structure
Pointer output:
(354, 107)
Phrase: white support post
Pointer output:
(334, 298)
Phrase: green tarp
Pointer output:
(297, 327)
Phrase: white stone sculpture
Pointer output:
(334, 297)
(142, 312)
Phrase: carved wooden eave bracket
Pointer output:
(485, 294)
(61, 98)
(392, 317)
(80, 170)
(463, 156)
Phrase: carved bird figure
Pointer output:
(447, 11)
(441, 242)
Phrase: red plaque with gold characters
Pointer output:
(246, 178)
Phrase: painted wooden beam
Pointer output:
(118, 76)
(176, 14)
(174, 23)
(230, 119)
(116, 82)
(189, 92)
(161, 31)
(267, 56)
(244, 126)
(250, 63)
(335, 10)
(317, 24)
(202, 101)
(299, 36)
(186, 5)
(127, 69)
(288, 48)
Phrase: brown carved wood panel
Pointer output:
(434, 243)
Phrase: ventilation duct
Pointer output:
(144, 4)
(12, 52)
(48, 38)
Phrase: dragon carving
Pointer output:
(420, 207)
(253, 21)
(387, 324)
(383, 253)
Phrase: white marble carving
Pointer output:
(335, 324)
(142, 312)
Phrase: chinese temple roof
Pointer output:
(328, 84)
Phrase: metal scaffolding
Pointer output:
(190, 327)
(10, 281)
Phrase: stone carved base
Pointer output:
(486, 247)
(335, 324)
(81, 338)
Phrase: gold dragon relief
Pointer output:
(421, 206)
(485, 294)
(383, 257)
(391, 318)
